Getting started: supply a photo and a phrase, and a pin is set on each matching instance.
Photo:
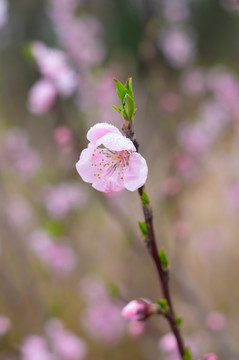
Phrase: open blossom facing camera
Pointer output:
(111, 162)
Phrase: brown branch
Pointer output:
(163, 277)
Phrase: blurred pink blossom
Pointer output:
(63, 198)
(100, 90)
(103, 321)
(178, 46)
(230, 5)
(92, 288)
(216, 321)
(28, 163)
(170, 102)
(58, 257)
(53, 66)
(210, 356)
(210, 240)
(136, 328)
(3, 12)
(41, 97)
(19, 211)
(232, 196)
(180, 229)
(35, 347)
(186, 165)
(171, 186)
(79, 35)
(111, 162)
(175, 10)
(64, 342)
(5, 325)
(18, 154)
(213, 117)
(193, 82)
(168, 343)
(193, 139)
(63, 136)
(225, 86)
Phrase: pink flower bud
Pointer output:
(210, 356)
(138, 309)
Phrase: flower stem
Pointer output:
(153, 249)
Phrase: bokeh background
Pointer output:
(71, 257)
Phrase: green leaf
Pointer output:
(144, 197)
(112, 289)
(119, 110)
(143, 227)
(54, 227)
(163, 258)
(27, 52)
(179, 321)
(187, 354)
(128, 106)
(163, 304)
(129, 87)
(121, 90)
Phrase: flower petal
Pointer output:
(83, 166)
(114, 183)
(101, 129)
(136, 173)
(116, 142)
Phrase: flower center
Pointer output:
(107, 162)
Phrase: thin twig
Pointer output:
(163, 278)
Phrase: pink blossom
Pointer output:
(175, 10)
(19, 211)
(92, 288)
(35, 347)
(171, 186)
(53, 66)
(5, 325)
(193, 82)
(65, 343)
(41, 97)
(136, 328)
(28, 163)
(58, 257)
(186, 165)
(232, 196)
(210, 356)
(79, 35)
(193, 139)
(139, 309)
(180, 229)
(170, 102)
(225, 87)
(103, 321)
(177, 46)
(62, 198)
(63, 136)
(19, 155)
(3, 12)
(216, 321)
(230, 5)
(213, 117)
(168, 343)
(111, 162)
(99, 89)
